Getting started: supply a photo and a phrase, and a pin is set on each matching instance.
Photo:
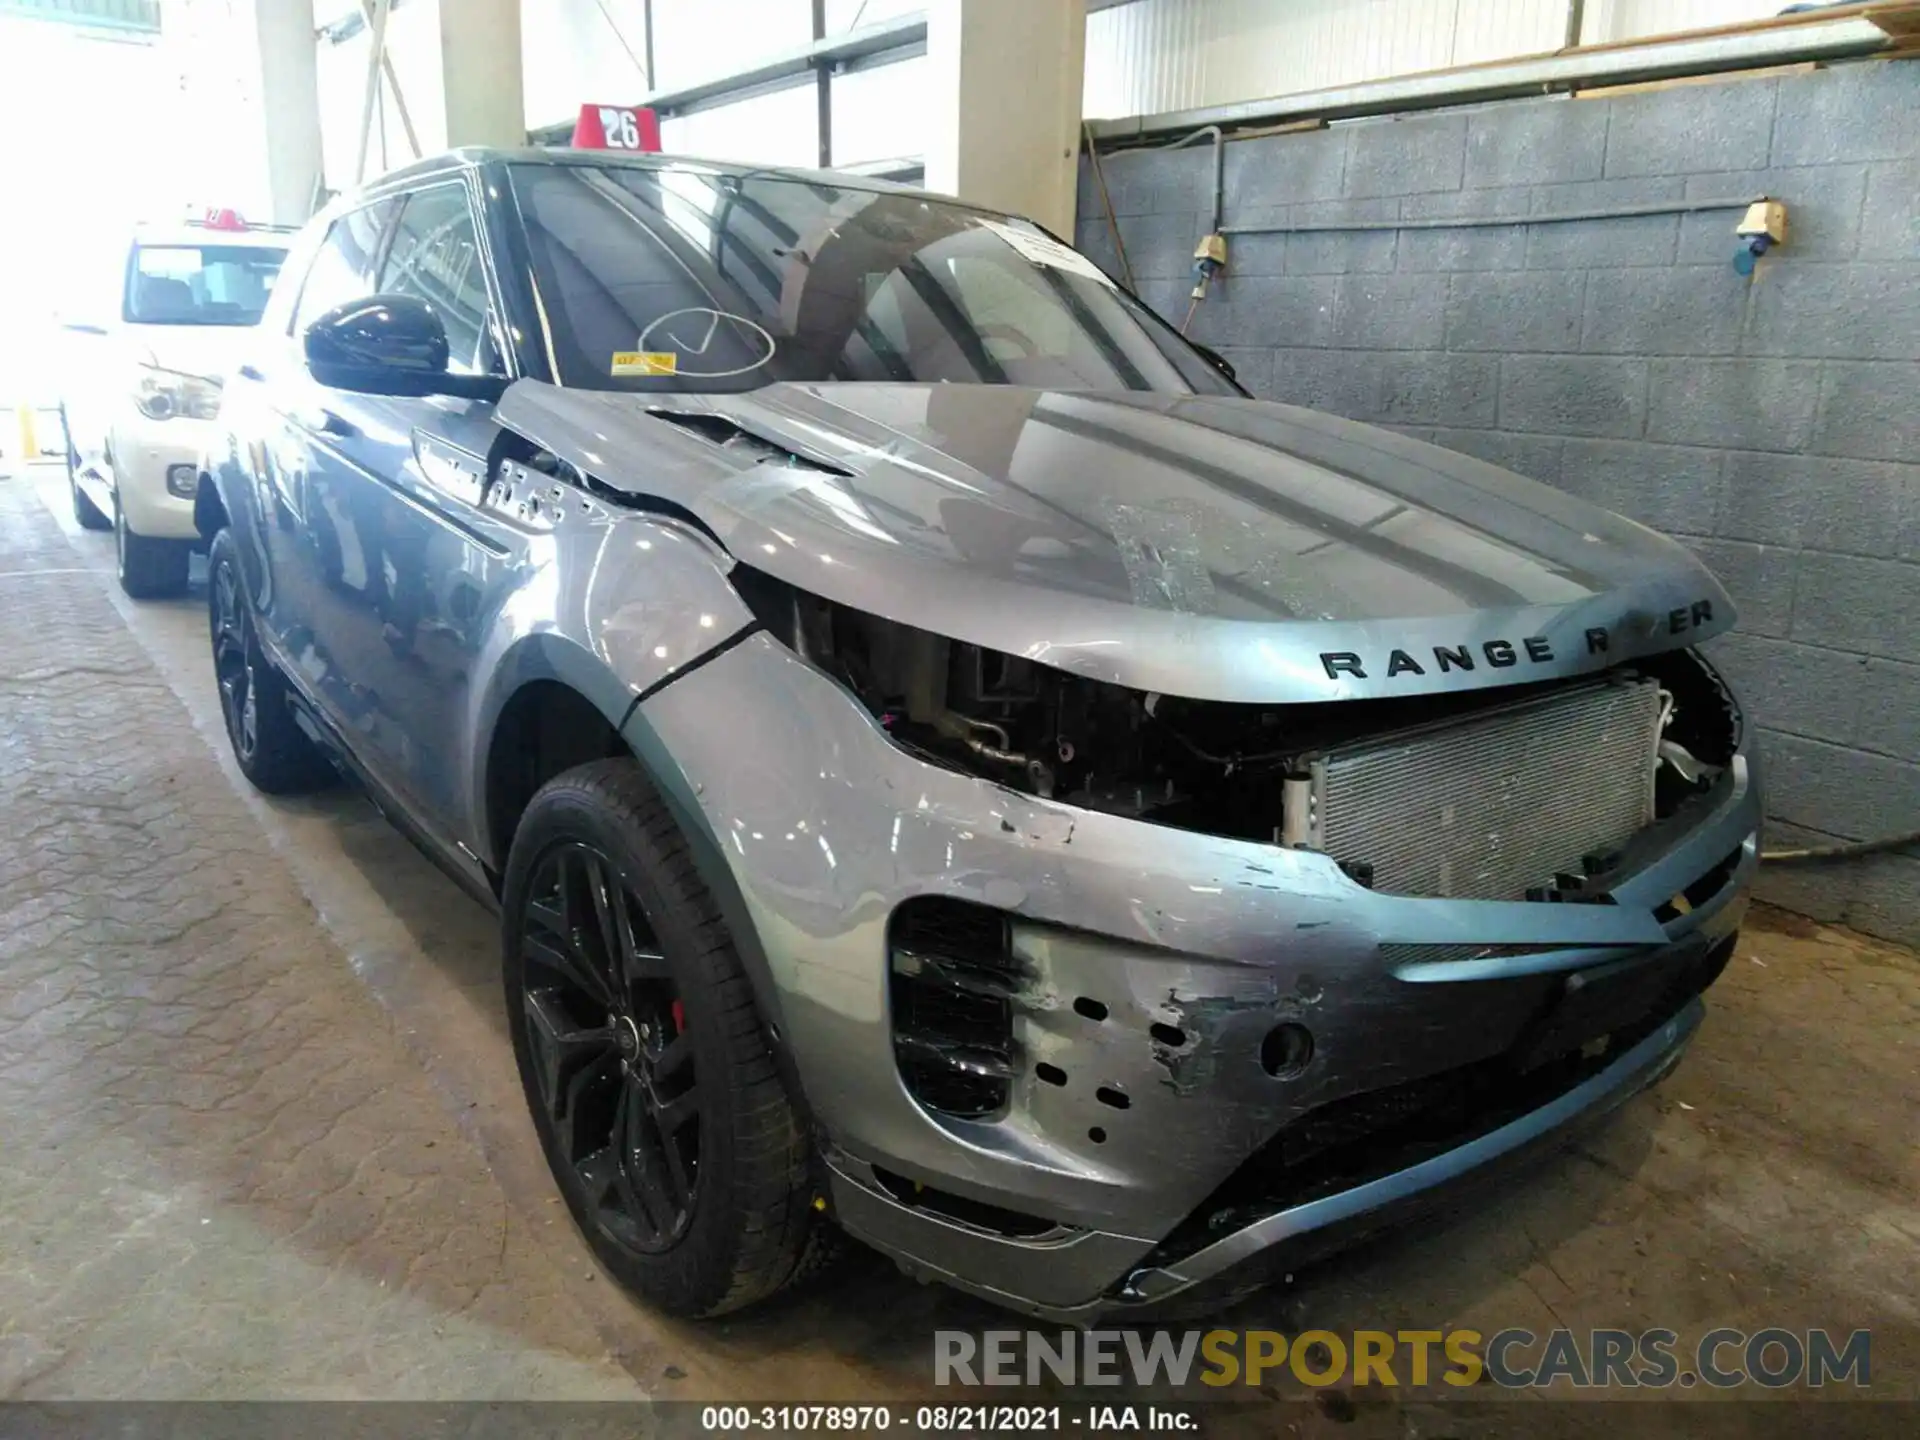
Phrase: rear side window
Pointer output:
(342, 269)
(200, 284)
(435, 257)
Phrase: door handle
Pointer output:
(247, 372)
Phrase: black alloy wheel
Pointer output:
(612, 1060)
(232, 659)
(680, 1152)
(273, 752)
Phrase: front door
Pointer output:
(422, 562)
(308, 439)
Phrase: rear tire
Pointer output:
(664, 1119)
(273, 752)
(149, 569)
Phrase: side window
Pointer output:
(435, 257)
(342, 268)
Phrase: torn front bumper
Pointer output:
(1257, 1251)
(1154, 1139)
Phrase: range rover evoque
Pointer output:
(952, 768)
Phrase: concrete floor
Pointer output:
(260, 1135)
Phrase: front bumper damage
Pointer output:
(1166, 1135)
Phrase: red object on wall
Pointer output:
(617, 127)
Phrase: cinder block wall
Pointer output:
(1773, 424)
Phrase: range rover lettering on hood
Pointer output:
(1206, 547)
(1503, 654)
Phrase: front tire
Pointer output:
(273, 752)
(652, 1084)
(149, 569)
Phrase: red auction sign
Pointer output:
(616, 127)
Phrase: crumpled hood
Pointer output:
(1211, 547)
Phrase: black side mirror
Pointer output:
(389, 345)
(1216, 359)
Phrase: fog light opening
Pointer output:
(1286, 1051)
(183, 481)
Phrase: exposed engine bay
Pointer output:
(1242, 771)
(1370, 806)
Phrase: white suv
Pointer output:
(137, 400)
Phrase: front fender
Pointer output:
(609, 603)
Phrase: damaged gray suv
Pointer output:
(952, 768)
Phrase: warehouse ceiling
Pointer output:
(141, 17)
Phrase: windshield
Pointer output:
(200, 284)
(670, 279)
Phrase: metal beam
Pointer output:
(344, 27)
(905, 34)
(1576, 22)
(823, 91)
(1780, 42)
(399, 100)
(376, 52)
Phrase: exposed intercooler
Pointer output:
(1489, 807)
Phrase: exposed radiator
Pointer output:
(1487, 807)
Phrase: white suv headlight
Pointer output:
(163, 394)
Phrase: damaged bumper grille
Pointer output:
(1494, 806)
(1382, 1160)
(1037, 1040)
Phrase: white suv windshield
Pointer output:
(200, 284)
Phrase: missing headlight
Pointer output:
(1236, 770)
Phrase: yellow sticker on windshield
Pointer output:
(645, 362)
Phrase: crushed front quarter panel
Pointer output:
(825, 827)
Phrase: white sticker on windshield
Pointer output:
(1045, 250)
